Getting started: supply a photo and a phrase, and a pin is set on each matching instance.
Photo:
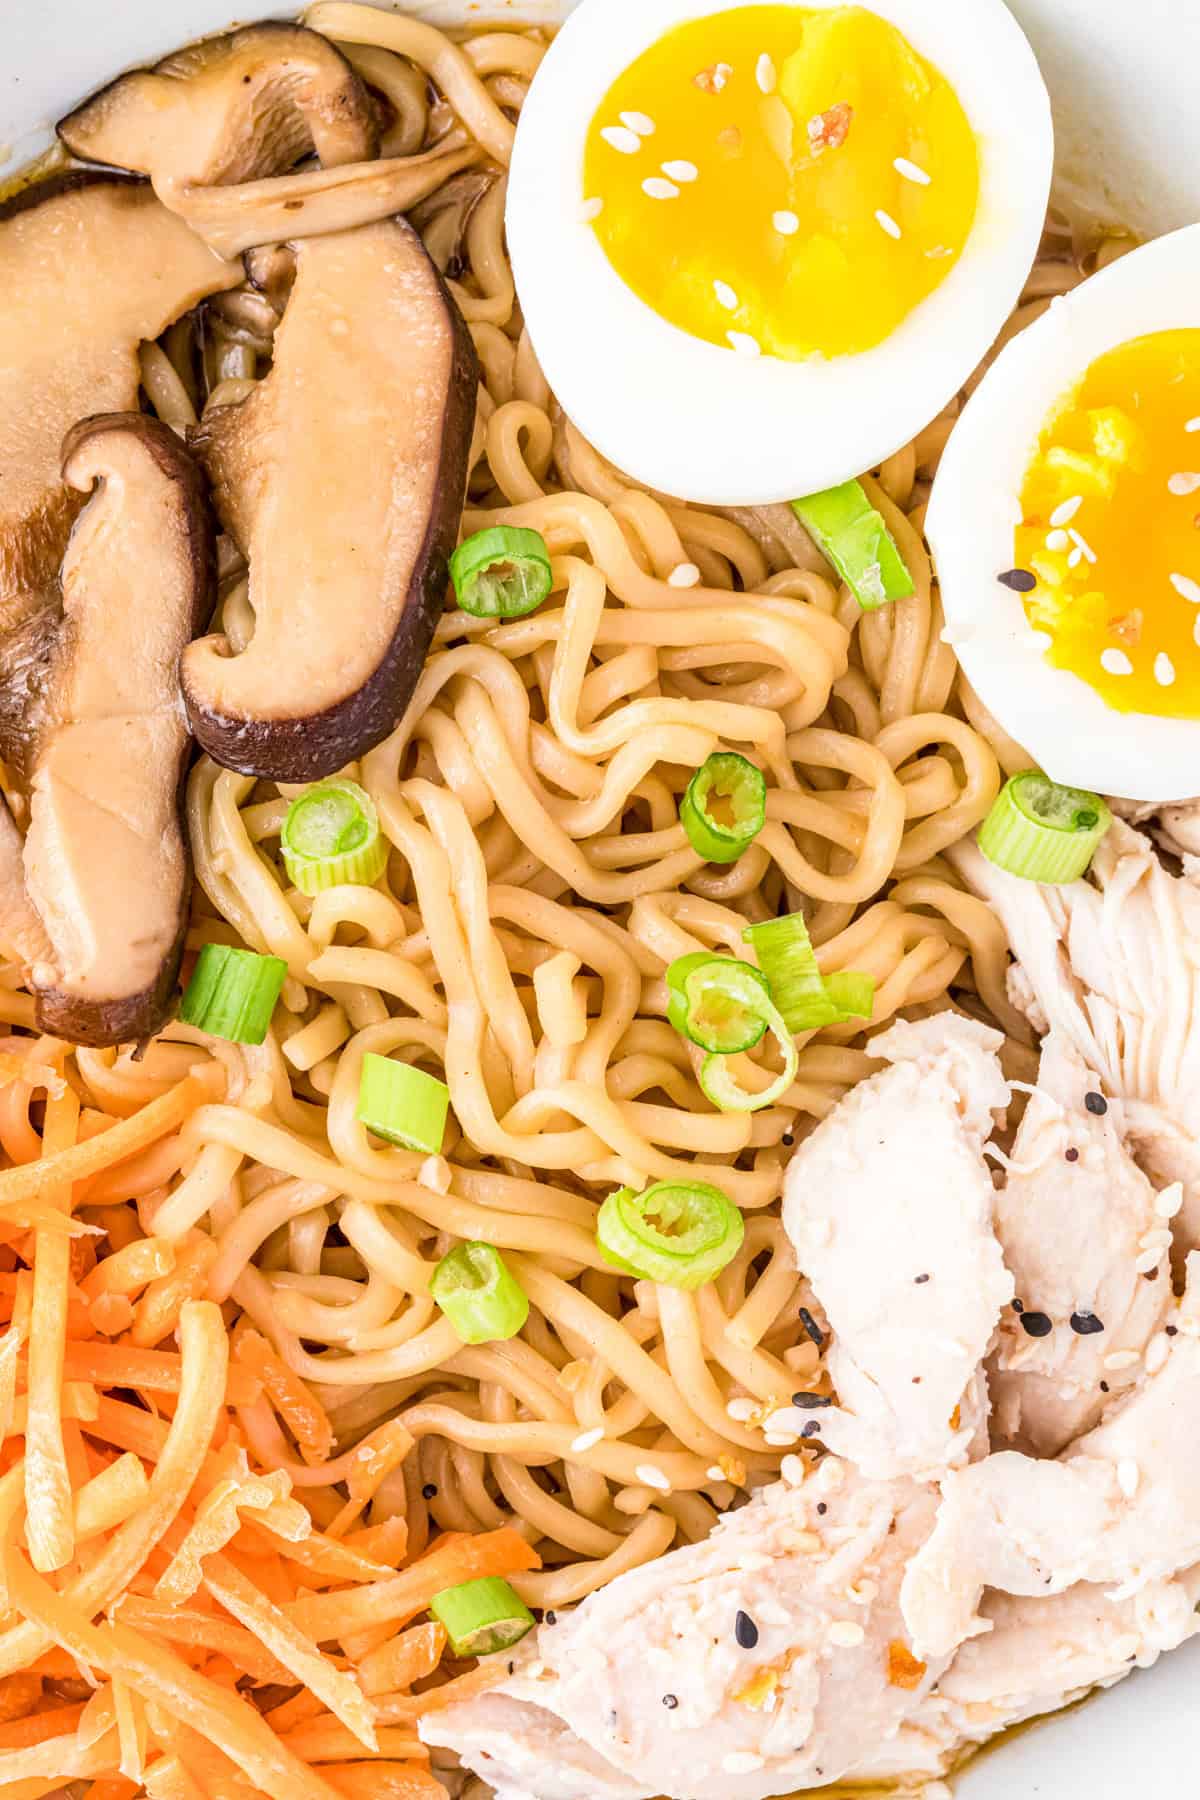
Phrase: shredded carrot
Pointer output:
(385, 1543)
(158, 1310)
(37, 1728)
(465, 1558)
(405, 1709)
(385, 1781)
(202, 1631)
(327, 1740)
(19, 1694)
(111, 1787)
(372, 1461)
(152, 1371)
(403, 1660)
(29, 1181)
(296, 1711)
(50, 1524)
(130, 1268)
(300, 1411)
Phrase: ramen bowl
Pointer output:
(1122, 84)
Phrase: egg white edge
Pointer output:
(976, 503)
(698, 420)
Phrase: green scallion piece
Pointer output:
(717, 1081)
(331, 836)
(479, 1294)
(852, 535)
(725, 807)
(502, 573)
(807, 999)
(717, 1002)
(481, 1617)
(1042, 832)
(402, 1104)
(851, 994)
(232, 993)
(678, 1232)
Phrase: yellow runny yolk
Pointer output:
(1111, 511)
(783, 180)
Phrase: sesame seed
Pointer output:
(1186, 588)
(1157, 1352)
(780, 1440)
(1121, 1359)
(659, 188)
(911, 172)
(1075, 558)
(1104, 1388)
(619, 137)
(681, 171)
(741, 1762)
(1021, 581)
(684, 575)
(810, 1325)
(591, 209)
(741, 1408)
(1086, 1324)
(670, 1701)
(1115, 662)
(1096, 1103)
(1072, 1154)
(920, 1280)
(745, 1630)
(587, 1440)
(1186, 482)
(787, 224)
(1149, 1259)
(764, 74)
(1037, 1324)
(744, 344)
(429, 1491)
(811, 1429)
(1171, 1330)
(886, 223)
(638, 123)
(653, 1477)
(846, 1634)
(1164, 669)
(808, 1402)
(1196, 631)
(1169, 1201)
(1128, 1476)
(716, 1473)
(1082, 545)
(1062, 515)
(1192, 425)
(792, 1470)
(1057, 540)
(1018, 1306)
(725, 296)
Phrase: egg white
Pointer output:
(703, 422)
(1065, 725)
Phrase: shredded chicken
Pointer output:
(889, 1204)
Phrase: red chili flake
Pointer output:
(830, 129)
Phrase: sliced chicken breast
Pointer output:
(1086, 1237)
(889, 1204)
(1120, 1507)
(770, 1658)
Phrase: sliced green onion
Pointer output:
(717, 1002)
(1043, 832)
(232, 993)
(724, 807)
(718, 1084)
(807, 999)
(479, 1294)
(502, 573)
(402, 1104)
(679, 1232)
(852, 535)
(481, 1617)
(331, 835)
(851, 994)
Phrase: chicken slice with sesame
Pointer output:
(1119, 1507)
(889, 1204)
(1086, 1237)
(1112, 965)
(770, 1658)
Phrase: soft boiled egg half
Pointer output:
(1065, 523)
(757, 248)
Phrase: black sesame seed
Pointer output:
(1086, 1324)
(822, 1508)
(788, 1139)
(810, 1402)
(920, 1280)
(1021, 581)
(1096, 1103)
(1104, 1388)
(811, 1429)
(1171, 1330)
(670, 1701)
(551, 1617)
(1037, 1324)
(511, 1667)
(1072, 1155)
(429, 1491)
(1018, 1306)
(745, 1631)
(810, 1325)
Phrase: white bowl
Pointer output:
(1122, 77)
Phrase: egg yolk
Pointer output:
(781, 180)
(1111, 527)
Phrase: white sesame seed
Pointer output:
(1169, 1201)
(684, 575)
(886, 223)
(744, 344)
(1062, 515)
(1186, 482)
(1186, 588)
(764, 74)
(741, 1408)
(1041, 640)
(1115, 662)
(681, 171)
(587, 1440)
(591, 209)
(638, 123)
(1121, 1359)
(619, 137)
(846, 1634)
(1157, 1351)
(862, 1593)
(725, 296)
(793, 1471)
(781, 1440)
(660, 189)
(1158, 1239)
(911, 172)
(1075, 558)
(1149, 1259)
(1082, 545)
(1164, 669)
(786, 223)
(741, 1762)
(1192, 425)
(435, 1174)
(652, 1477)
(1196, 630)
(720, 76)
(717, 1473)
(1057, 540)
(1128, 1476)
